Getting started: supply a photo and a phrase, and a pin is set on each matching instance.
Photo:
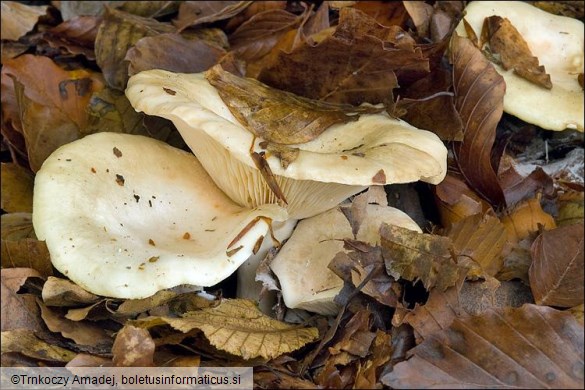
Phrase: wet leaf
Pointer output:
(76, 36)
(18, 19)
(25, 342)
(528, 347)
(507, 46)
(63, 292)
(118, 32)
(480, 238)
(479, 96)
(172, 52)
(238, 327)
(274, 115)
(19, 311)
(416, 256)
(52, 103)
(193, 13)
(556, 273)
(525, 218)
(133, 347)
(17, 188)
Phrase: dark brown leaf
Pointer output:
(25, 341)
(387, 13)
(527, 347)
(456, 201)
(193, 13)
(19, 311)
(150, 9)
(133, 347)
(517, 187)
(76, 35)
(512, 52)
(479, 99)
(556, 273)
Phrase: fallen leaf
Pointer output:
(276, 116)
(87, 360)
(525, 218)
(456, 201)
(18, 19)
(570, 205)
(133, 347)
(25, 342)
(517, 261)
(238, 327)
(517, 187)
(193, 13)
(273, 379)
(19, 311)
(421, 13)
(76, 36)
(480, 238)
(577, 312)
(556, 273)
(63, 292)
(150, 9)
(172, 52)
(118, 32)
(510, 50)
(253, 9)
(71, 9)
(479, 99)
(416, 256)
(384, 12)
(528, 347)
(17, 188)
(367, 376)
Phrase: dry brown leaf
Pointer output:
(416, 256)
(527, 347)
(118, 32)
(18, 19)
(133, 347)
(525, 218)
(276, 116)
(83, 312)
(517, 187)
(481, 239)
(82, 333)
(577, 312)
(17, 188)
(76, 36)
(456, 201)
(52, 103)
(63, 292)
(386, 13)
(367, 376)
(25, 342)
(150, 9)
(87, 360)
(193, 13)
(517, 261)
(570, 205)
(19, 311)
(421, 13)
(556, 273)
(479, 99)
(172, 52)
(509, 49)
(253, 9)
(238, 327)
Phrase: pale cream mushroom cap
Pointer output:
(342, 161)
(557, 42)
(126, 216)
(301, 264)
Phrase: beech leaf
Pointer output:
(19, 311)
(63, 292)
(528, 347)
(479, 99)
(76, 35)
(133, 347)
(27, 343)
(525, 218)
(17, 188)
(18, 19)
(238, 327)
(556, 273)
(193, 13)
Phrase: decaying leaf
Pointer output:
(525, 218)
(17, 185)
(456, 201)
(276, 116)
(556, 273)
(63, 292)
(25, 342)
(518, 260)
(528, 347)
(415, 256)
(367, 376)
(19, 311)
(479, 99)
(18, 19)
(509, 49)
(238, 327)
(75, 36)
(516, 187)
(570, 206)
(193, 13)
(133, 347)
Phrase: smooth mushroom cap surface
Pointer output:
(342, 161)
(557, 42)
(125, 216)
(301, 265)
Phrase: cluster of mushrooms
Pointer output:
(136, 215)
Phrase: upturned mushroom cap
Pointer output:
(557, 42)
(125, 216)
(342, 161)
(301, 264)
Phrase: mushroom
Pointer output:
(557, 42)
(126, 216)
(342, 161)
(301, 264)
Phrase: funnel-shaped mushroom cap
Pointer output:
(125, 216)
(557, 42)
(342, 161)
(301, 264)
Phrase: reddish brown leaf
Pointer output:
(421, 13)
(253, 9)
(456, 201)
(386, 13)
(19, 311)
(76, 35)
(133, 347)
(193, 13)
(556, 273)
(517, 187)
(18, 19)
(479, 96)
(527, 347)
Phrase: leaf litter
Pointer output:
(458, 305)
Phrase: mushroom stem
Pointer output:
(248, 287)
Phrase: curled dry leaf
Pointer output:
(525, 218)
(556, 273)
(511, 51)
(19, 311)
(63, 292)
(529, 347)
(194, 13)
(479, 99)
(18, 19)
(133, 347)
(456, 201)
(76, 36)
(238, 327)
(17, 185)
